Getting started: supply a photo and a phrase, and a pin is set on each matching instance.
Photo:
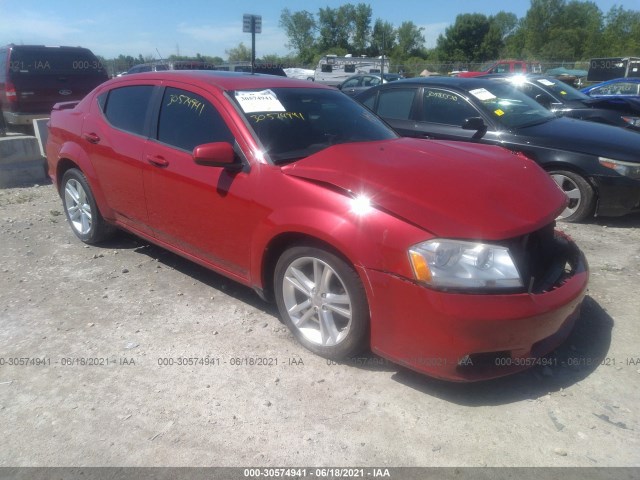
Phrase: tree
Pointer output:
(538, 23)
(361, 27)
(410, 41)
(336, 27)
(382, 30)
(239, 54)
(621, 34)
(505, 23)
(300, 28)
(465, 39)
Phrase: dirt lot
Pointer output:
(133, 308)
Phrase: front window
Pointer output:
(293, 123)
(446, 107)
(509, 106)
(188, 120)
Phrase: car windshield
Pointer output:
(560, 89)
(293, 123)
(509, 106)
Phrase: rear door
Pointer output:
(395, 106)
(118, 130)
(43, 76)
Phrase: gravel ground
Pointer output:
(101, 324)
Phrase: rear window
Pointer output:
(126, 107)
(54, 61)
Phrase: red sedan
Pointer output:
(439, 256)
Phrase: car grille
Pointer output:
(544, 258)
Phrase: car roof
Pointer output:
(618, 80)
(513, 75)
(220, 79)
(42, 47)
(453, 82)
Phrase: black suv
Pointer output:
(35, 77)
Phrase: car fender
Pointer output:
(349, 234)
(71, 151)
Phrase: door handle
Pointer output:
(91, 137)
(158, 161)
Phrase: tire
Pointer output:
(323, 302)
(81, 210)
(581, 195)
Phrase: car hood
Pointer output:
(586, 137)
(453, 190)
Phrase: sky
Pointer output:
(155, 28)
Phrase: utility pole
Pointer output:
(382, 66)
(252, 24)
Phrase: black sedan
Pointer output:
(563, 99)
(596, 165)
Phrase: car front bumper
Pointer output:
(617, 195)
(469, 337)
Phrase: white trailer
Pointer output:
(333, 70)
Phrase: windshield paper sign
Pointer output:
(264, 101)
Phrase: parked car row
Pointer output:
(441, 256)
(596, 165)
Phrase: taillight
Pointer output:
(10, 92)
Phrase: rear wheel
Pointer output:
(81, 210)
(321, 299)
(580, 193)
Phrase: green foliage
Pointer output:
(621, 33)
(300, 28)
(410, 41)
(241, 53)
(550, 30)
(383, 38)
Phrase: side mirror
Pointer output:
(219, 154)
(477, 124)
(339, 87)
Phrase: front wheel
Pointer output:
(580, 193)
(322, 300)
(81, 210)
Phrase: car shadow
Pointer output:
(581, 354)
(126, 241)
(631, 220)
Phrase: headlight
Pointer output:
(627, 169)
(457, 264)
(635, 121)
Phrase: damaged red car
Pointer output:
(439, 256)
